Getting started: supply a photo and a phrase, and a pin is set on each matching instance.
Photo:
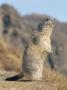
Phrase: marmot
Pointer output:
(36, 52)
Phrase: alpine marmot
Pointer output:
(36, 51)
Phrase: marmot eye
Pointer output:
(47, 19)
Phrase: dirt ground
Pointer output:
(52, 83)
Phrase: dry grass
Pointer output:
(55, 78)
(10, 58)
(52, 81)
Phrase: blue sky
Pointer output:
(55, 8)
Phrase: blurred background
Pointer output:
(53, 8)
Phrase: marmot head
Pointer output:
(49, 22)
(46, 25)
